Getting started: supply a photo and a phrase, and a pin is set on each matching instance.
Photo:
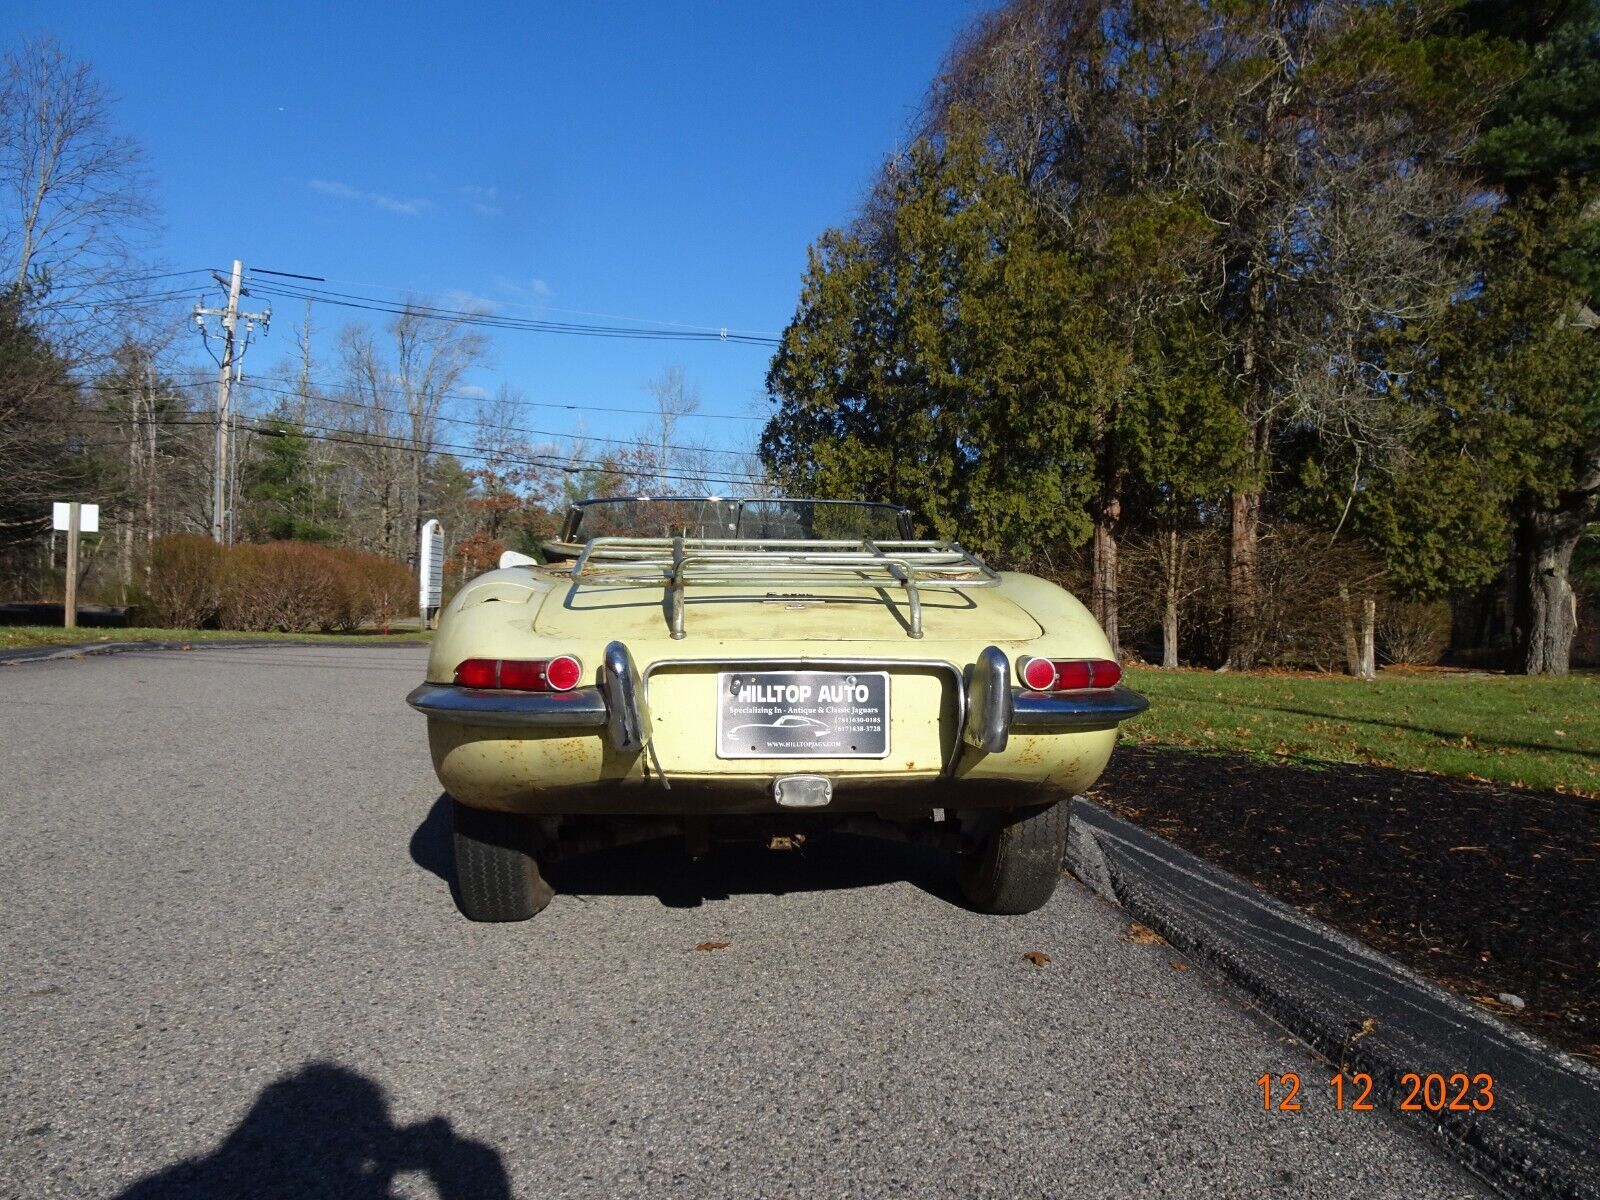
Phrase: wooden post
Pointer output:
(70, 608)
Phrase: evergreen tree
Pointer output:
(279, 489)
(943, 355)
(1526, 365)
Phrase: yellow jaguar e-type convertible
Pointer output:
(715, 668)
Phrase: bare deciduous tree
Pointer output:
(76, 200)
(401, 398)
(675, 399)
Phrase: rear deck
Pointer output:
(820, 568)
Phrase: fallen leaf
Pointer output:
(1037, 958)
(1143, 935)
(1178, 966)
(713, 945)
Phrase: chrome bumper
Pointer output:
(1074, 710)
(993, 707)
(578, 709)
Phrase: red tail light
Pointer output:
(1038, 674)
(1068, 674)
(559, 674)
(478, 673)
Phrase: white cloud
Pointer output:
(403, 207)
(529, 292)
(485, 201)
(329, 187)
(470, 302)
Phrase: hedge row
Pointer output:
(296, 587)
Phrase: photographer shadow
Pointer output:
(326, 1131)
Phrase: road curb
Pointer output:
(1542, 1138)
(62, 652)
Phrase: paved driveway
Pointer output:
(230, 966)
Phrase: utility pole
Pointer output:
(232, 352)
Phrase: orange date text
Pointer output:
(1432, 1092)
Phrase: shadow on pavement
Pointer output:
(326, 1131)
(829, 862)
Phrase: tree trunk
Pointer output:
(1244, 514)
(386, 519)
(125, 555)
(1169, 611)
(1352, 649)
(1244, 526)
(1103, 584)
(413, 551)
(1546, 610)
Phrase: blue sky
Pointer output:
(636, 160)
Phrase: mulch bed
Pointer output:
(1489, 890)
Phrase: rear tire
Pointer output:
(497, 878)
(1016, 868)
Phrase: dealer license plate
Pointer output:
(803, 714)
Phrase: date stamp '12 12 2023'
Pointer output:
(1432, 1092)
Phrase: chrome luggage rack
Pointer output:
(674, 563)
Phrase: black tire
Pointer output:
(1016, 868)
(497, 878)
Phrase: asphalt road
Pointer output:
(230, 966)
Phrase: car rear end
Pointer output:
(534, 709)
(709, 684)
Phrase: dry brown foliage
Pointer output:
(185, 586)
(293, 587)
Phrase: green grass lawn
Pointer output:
(1538, 733)
(54, 635)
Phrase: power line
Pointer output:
(112, 302)
(539, 306)
(485, 427)
(324, 388)
(488, 428)
(323, 433)
(493, 321)
(650, 330)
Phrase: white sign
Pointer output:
(431, 573)
(88, 516)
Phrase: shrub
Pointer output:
(1411, 631)
(372, 588)
(295, 587)
(185, 586)
(300, 587)
(1299, 618)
